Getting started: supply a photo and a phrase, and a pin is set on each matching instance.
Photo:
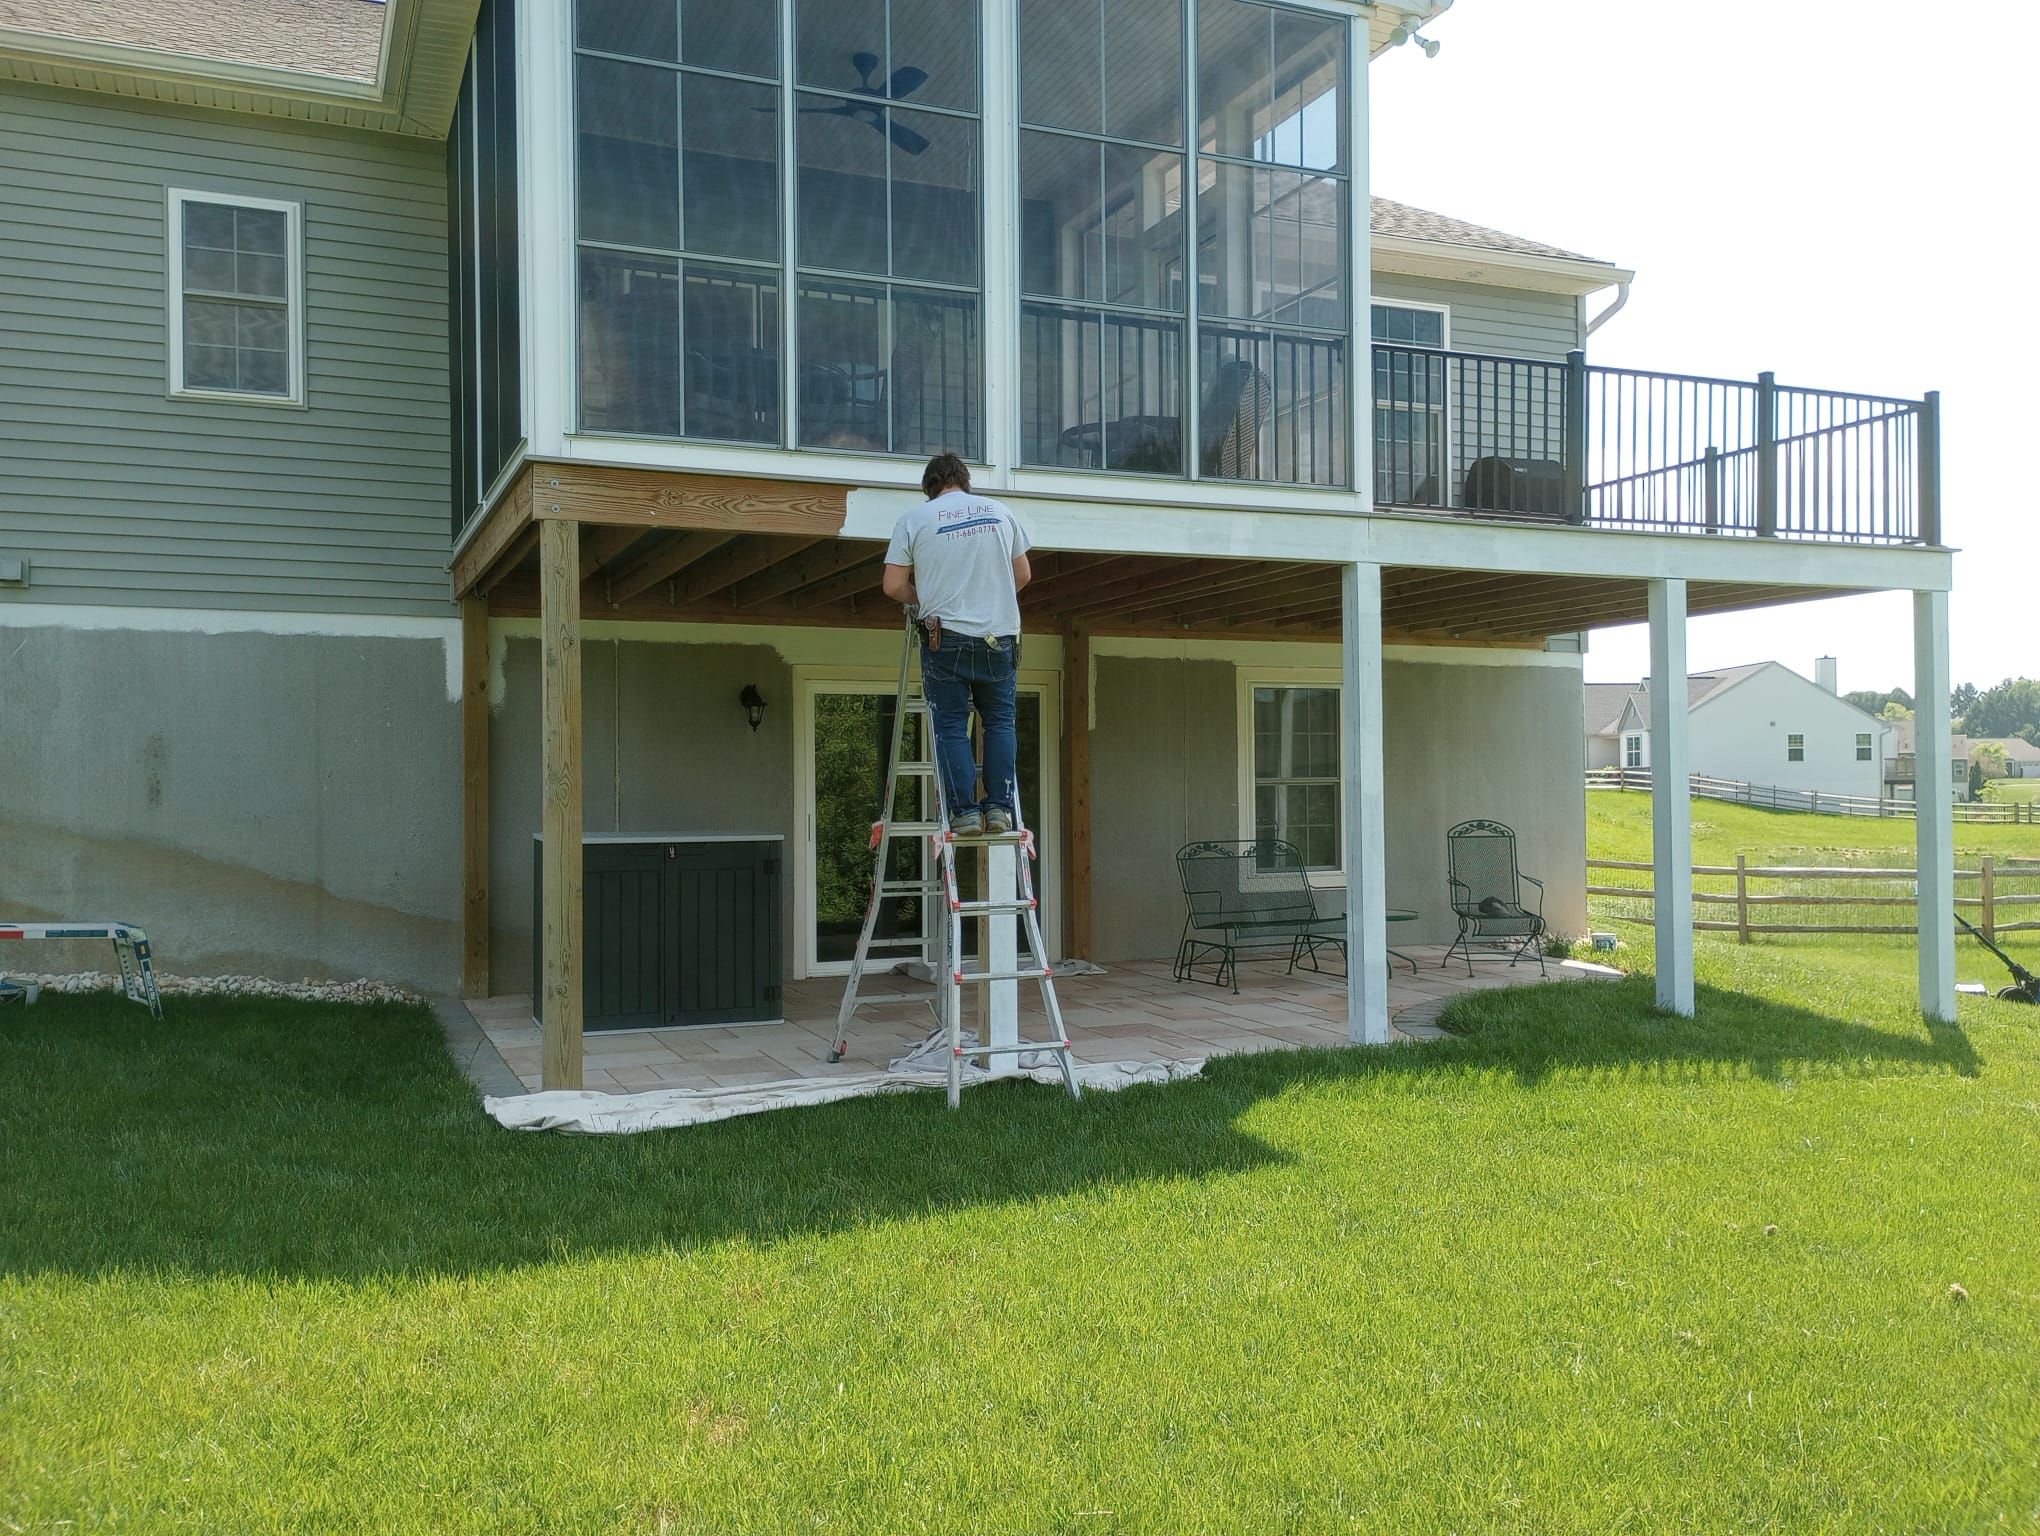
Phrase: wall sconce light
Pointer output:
(754, 704)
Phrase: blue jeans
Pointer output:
(966, 672)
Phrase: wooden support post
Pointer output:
(1077, 790)
(1987, 879)
(474, 796)
(560, 800)
(1742, 901)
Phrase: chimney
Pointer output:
(1824, 673)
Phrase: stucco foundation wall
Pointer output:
(1504, 743)
(666, 748)
(1500, 741)
(275, 804)
(1162, 774)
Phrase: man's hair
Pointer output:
(945, 472)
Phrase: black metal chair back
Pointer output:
(1263, 880)
(1480, 859)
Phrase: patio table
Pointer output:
(1331, 929)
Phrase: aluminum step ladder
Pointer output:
(1007, 890)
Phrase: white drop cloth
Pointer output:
(613, 1114)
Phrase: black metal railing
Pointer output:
(1621, 448)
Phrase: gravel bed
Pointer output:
(361, 990)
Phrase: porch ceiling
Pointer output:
(716, 576)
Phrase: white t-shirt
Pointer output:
(961, 546)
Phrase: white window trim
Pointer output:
(1044, 820)
(1390, 303)
(1247, 680)
(1641, 741)
(294, 251)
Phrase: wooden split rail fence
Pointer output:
(1990, 906)
(1817, 801)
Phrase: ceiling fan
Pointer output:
(904, 82)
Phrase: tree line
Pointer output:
(2012, 708)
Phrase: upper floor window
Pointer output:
(236, 298)
(1184, 304)
(1412, 422)
(691, 282)
(1863, 753)
(1795, 749)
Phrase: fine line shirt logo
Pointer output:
(970, 521)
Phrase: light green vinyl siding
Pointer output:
(118, 494)
(1511, 322)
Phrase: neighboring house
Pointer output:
(1760, 724)
(2022, 758)
(669, 312)
(1899, 767)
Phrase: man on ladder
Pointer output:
(961, 559)
(958, 562)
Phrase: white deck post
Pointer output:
(1001, 882)
(1671, 804)
(1361, 767)
(1933, 794)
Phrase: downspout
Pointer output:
(1621, 298)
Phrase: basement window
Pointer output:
(236, 292)
(1290, 772)
(1795, 749)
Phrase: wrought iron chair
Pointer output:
(1245, 897)
(1487, 897)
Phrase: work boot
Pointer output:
(998, 821)
(967, 824)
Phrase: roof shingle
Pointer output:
(339, 39)
(1393, 218)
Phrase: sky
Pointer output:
(1808, 186)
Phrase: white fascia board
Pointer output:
(1497, 269)
(1437, 543)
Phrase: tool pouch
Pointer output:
(931, 634)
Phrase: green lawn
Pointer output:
(2006, 791)
(266, 1267)
(1618, 827)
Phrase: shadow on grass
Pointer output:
(271, 1139)
(1617, 1025)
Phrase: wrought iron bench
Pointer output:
(1487, 897)
(1251, 898)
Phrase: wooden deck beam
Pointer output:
(502, 526)
(560, 927)
(474, 796)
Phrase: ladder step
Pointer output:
(988, 908)
(918, 770)
(912, 829)
(969, 977)
(1053, 1047)
(911, 888)
(987, 838)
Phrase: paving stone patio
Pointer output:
(1135, 1012)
